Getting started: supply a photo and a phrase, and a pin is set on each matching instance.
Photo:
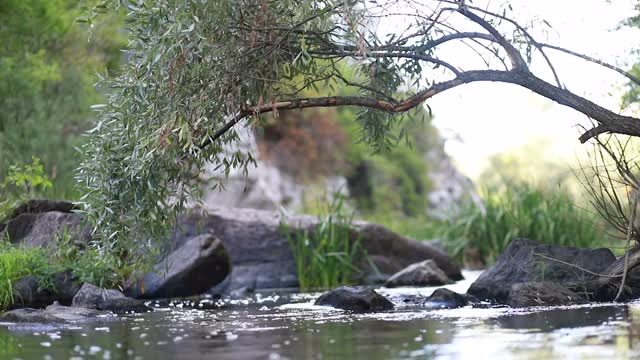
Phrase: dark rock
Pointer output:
(261, 255)
(42, 229)
(28, 292)
(446, 299)
(401, 251)
(541, 293)
(55, 313)
(529, 261)
(37, 206)
(193, 268)
(605, 288)
(424, 273)
(93, 297)
(355, 299)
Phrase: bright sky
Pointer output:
(490, 118)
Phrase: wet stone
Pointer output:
(93, 297)
(355, 299)
(424, 273)
(541, 294)
(55, 313)
(446, 299)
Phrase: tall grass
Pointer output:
(326, 257)
(521, 210)
(17, 262)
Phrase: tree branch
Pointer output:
(593, 60)
(608, 120)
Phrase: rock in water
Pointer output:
(527, 261)
(55, 313)
(446, 299)
(29, 293)
(261, 253)
(541, 293)
(355, 299)
(200, 263)
(424, 273)
(93, 297)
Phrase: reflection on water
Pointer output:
(290, 327)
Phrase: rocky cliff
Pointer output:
(269, 187)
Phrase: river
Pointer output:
(281, 325)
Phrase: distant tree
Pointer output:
(47, 72)
(199, 69)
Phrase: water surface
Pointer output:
(288, 326)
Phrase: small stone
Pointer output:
(93, 297)
(424, 273)
(354, 299)
(446, 299)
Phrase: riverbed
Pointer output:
(285, 325)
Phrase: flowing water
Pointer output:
(288, 326)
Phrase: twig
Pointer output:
(626, 255)
(575, 266)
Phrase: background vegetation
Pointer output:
(48, 67)
(48, 64)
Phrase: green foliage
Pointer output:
(47, 68)
(23, 181)
(89, 264)
(326, 257)
(193, 66)
(17, 262)
(519, 211)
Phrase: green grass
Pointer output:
(326, 257)
(18, 262)
(520, 210)
(88, 266)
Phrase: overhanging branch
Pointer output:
(609, 121)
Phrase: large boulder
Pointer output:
(354, 299)
(93, 297)
(28, 292)
(193, 268)
(606, 286)
(424, 273)
(38, 206)
(542, 293)
(392, 252)
(37, 223)
(526, 261)
(261, 254)
(55, 313)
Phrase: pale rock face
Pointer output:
(266, 187)
(450, 188)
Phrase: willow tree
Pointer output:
(197, 70)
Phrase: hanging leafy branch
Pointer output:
(198, 69)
